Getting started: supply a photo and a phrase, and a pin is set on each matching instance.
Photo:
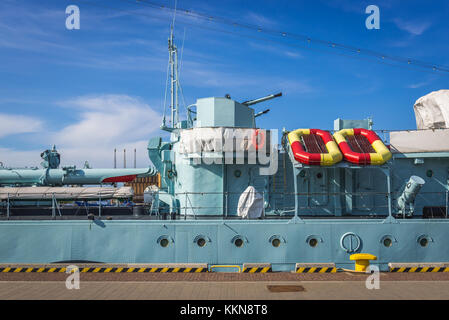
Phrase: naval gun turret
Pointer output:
(212, 158)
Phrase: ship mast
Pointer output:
(174, 83)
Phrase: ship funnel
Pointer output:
(271, 96)
(408, 196)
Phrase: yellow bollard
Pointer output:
(362, 260)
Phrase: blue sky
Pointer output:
(101, 87)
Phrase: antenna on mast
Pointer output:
(173, 78)
(173, 68)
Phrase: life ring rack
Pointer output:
(379, 157)
(332, 156)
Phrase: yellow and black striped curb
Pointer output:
(325, 267)
(256, 269)
(420, 269)
(316, 270)
(105, 270)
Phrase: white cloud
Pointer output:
(260, 20)
(417, 85)
(18, 158)
(414, 27)
(282, 51)
(106, 122)
(13, 124)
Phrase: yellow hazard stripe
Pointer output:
(316, 270)
(419, 269)
(113, 269)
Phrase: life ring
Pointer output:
(332, 156)
(254, 141)
(379, 157)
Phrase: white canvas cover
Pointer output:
(432, 110)
(436, 140)
(250, 204)
(65, 193)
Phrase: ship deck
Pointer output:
(225, 286)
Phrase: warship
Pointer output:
(232, 194)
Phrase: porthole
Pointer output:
(238, 242)
(276, 242)
(424, 240)
(201, 242)
(319, 175)
(164, 241)
(237, 173)
(429, 173)
(313, 242)
(387, 242)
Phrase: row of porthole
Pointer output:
(350, 242)
(276, 241)
(422, 240)
(238, 241)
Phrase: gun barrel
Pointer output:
(271, 96)
(261, 113)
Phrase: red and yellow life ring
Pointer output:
(254, 139)
(380, 156)
(332, 156)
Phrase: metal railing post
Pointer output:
(99, 207)
(447, 200)
(7, 207)
(226, 204)
(53, 211)
(263, 202)
(390, 210)
(185, 207)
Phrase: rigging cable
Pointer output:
(360, 54)
(296, 36)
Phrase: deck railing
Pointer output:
(274, 205)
